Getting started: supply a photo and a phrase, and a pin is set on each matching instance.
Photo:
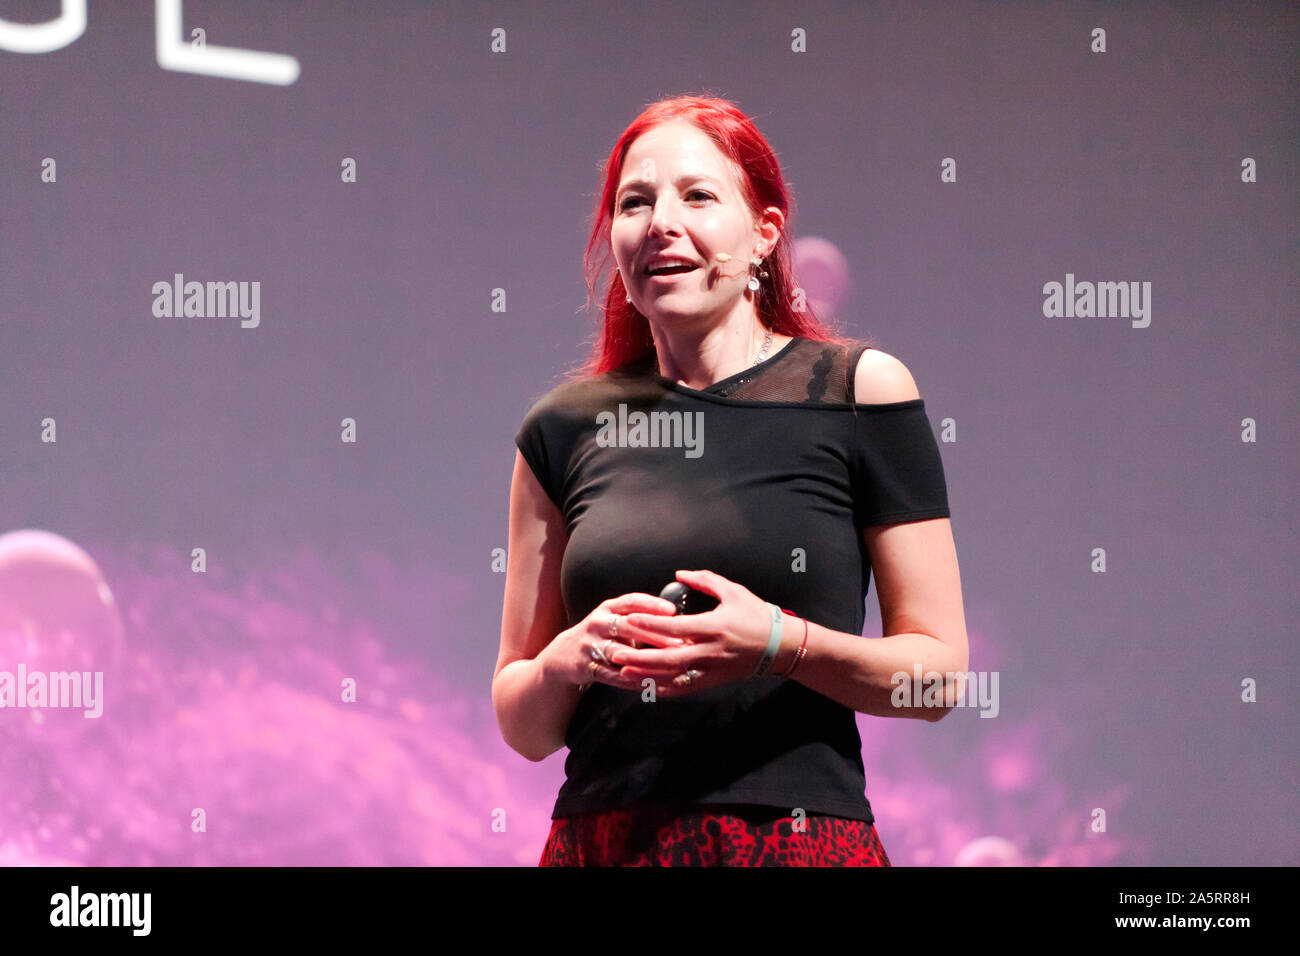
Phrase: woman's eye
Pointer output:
(627, 203)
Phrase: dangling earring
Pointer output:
(755, 265)
(629, 298)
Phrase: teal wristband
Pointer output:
(773, 643)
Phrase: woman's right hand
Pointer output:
(569, 657)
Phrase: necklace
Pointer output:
(727, 390)
(762, 354)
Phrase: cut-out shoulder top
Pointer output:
(767, 478)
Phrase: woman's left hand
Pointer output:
(725, 644)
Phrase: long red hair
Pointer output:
(625, 335)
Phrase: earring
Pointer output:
(755, 266)
(629, 298)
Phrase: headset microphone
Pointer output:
(723, 257)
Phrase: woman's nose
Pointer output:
(663, 220)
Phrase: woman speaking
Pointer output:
(719, 436)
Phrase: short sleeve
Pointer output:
(537, 441)
(897, 474)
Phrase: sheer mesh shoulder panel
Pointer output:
(813, 372)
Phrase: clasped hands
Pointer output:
(692, 652)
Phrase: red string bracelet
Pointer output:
(803, 648)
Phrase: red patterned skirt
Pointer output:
(710, 835)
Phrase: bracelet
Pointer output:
(803, 648)
(773, 643)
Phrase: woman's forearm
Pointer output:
(533, 707)
(859, 672)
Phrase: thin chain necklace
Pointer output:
(762, 354)
(767, 344)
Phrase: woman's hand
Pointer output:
(724, 645)
(570, 656)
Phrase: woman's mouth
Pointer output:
(669, 272)
(671, 275)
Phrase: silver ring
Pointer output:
(613, 626)
(598, 655)
(681, 680)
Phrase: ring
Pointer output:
(598, 655)
(594, 666)
(613, 626)
(681, 680)
(604, 651)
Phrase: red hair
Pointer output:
(625, 336)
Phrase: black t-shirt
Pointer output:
(767, 478)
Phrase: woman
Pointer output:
(718, 436)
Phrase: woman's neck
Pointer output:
(697, 361)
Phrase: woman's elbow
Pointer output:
(954, 691)
(526, 745)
